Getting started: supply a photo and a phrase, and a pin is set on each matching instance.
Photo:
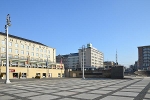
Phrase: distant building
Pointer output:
(64, 60)
(135, 65)
(93, 58)
(109, 64)
(70, 61)
(143, 57)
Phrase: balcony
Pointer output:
(34, 60)
(22, 58)
(3, 56)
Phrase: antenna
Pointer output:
(116, 58)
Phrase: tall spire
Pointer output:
(116, 58)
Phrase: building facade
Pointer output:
(109, 64)
(93, 58)
(25, 53)
(70, 61)
(143, 57)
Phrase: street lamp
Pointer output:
(83, 49)
(7, 59)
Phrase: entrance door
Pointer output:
(3, 75)
(15, 75)
(44, 75)
(50, 75)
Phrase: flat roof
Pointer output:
(13, 36)
(144, 46)
(67, 55)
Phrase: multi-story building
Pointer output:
(135, 65)
(93, 58)
(109, 64)
(73, 60)
(143, 57)
(63, 59)
(25, 53)
(70, 61)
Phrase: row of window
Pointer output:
(97, 57)
(146, 49)
(146, 54)
(146, 64)
(27, 53)
(96, 63)
(96, 54)
(93, 63)
(27, 47)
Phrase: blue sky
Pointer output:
(68, 24)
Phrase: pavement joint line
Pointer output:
(142, 94)
(108, 94)
(46, 84)
(16, 97)
(50, 93)
(70, 96)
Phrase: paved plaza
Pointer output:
(77, 89)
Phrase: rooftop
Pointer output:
(13, 36)
(71, 54)
(144, 46)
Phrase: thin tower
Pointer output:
(116, 58)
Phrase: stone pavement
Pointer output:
(77, 89)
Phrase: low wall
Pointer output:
(142, 73)
(91, 74)
(116, 72)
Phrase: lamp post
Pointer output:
(83, 49)
(7, 59)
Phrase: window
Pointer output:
(59, 75)
(45, 51)
(27, 47)
(3, 42)
(16, 45)
(37, 54)
(3, 49)
(10, 50)
(33, 48)
(48, 56)
(37, 49)
(16, 51)
(49, 51)
(22, 52)
(32, 53)
(27, 52)
(41, 55)
(41, 50)
(45, 56)
(10, 43)
(22, 46)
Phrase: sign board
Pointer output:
(11, 70)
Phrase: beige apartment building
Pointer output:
(28, 58)
(93, 58)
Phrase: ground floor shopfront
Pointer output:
(23, 72)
